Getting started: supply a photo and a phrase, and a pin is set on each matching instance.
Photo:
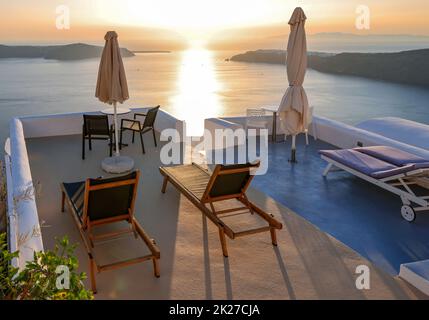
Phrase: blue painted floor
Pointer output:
(362, 216)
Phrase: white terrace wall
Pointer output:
(345, 136)
(24, 228)
(71, 123)
(338, 134)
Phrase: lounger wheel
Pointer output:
(408, 213)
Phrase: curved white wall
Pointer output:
(345, 136)
(25, 234)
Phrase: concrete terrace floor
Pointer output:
(307, 264)
(363, 216)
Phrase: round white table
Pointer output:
(119, 111)
(117, 164)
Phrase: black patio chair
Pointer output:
(96, 127)
(135, 125)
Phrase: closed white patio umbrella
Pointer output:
(293, 109)
(112, 88)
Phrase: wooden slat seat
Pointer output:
(227, 183)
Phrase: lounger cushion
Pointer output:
(75, 192)
(422, 165)
(393, 172)
(358, 161)
(391, 155)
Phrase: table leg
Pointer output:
(274, 137)
(114, 143)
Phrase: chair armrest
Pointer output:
(140, 115)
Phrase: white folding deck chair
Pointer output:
(391, 169)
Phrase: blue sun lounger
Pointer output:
(391, 169)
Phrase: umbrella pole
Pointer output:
(293, 151)
(115, 119)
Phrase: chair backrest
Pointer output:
(96, 124)
(111, 197)
(149, 121)
(229, 181)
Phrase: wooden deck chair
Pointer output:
(97, 202)
(225, 184)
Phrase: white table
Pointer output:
(119, 111)
(117, 164)
(274, 110)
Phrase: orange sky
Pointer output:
(172, 24)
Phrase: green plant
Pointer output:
(39, 279)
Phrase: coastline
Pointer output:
(405, 67)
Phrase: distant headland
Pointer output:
(75, 51)
(407, 67)
(150, 51)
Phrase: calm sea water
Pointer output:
(194, 85)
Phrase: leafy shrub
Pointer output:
(38, 281)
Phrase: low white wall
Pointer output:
(71, 123)
(345, 136)
(213, 124)
(12, 223)
(165, 120)
(402, 130)
(241, 120)
(25, 234)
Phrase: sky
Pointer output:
(173, 24)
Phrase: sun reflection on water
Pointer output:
(197, 90)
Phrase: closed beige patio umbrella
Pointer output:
(112, 88)
(293, 109)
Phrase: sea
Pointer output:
(196, 84)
